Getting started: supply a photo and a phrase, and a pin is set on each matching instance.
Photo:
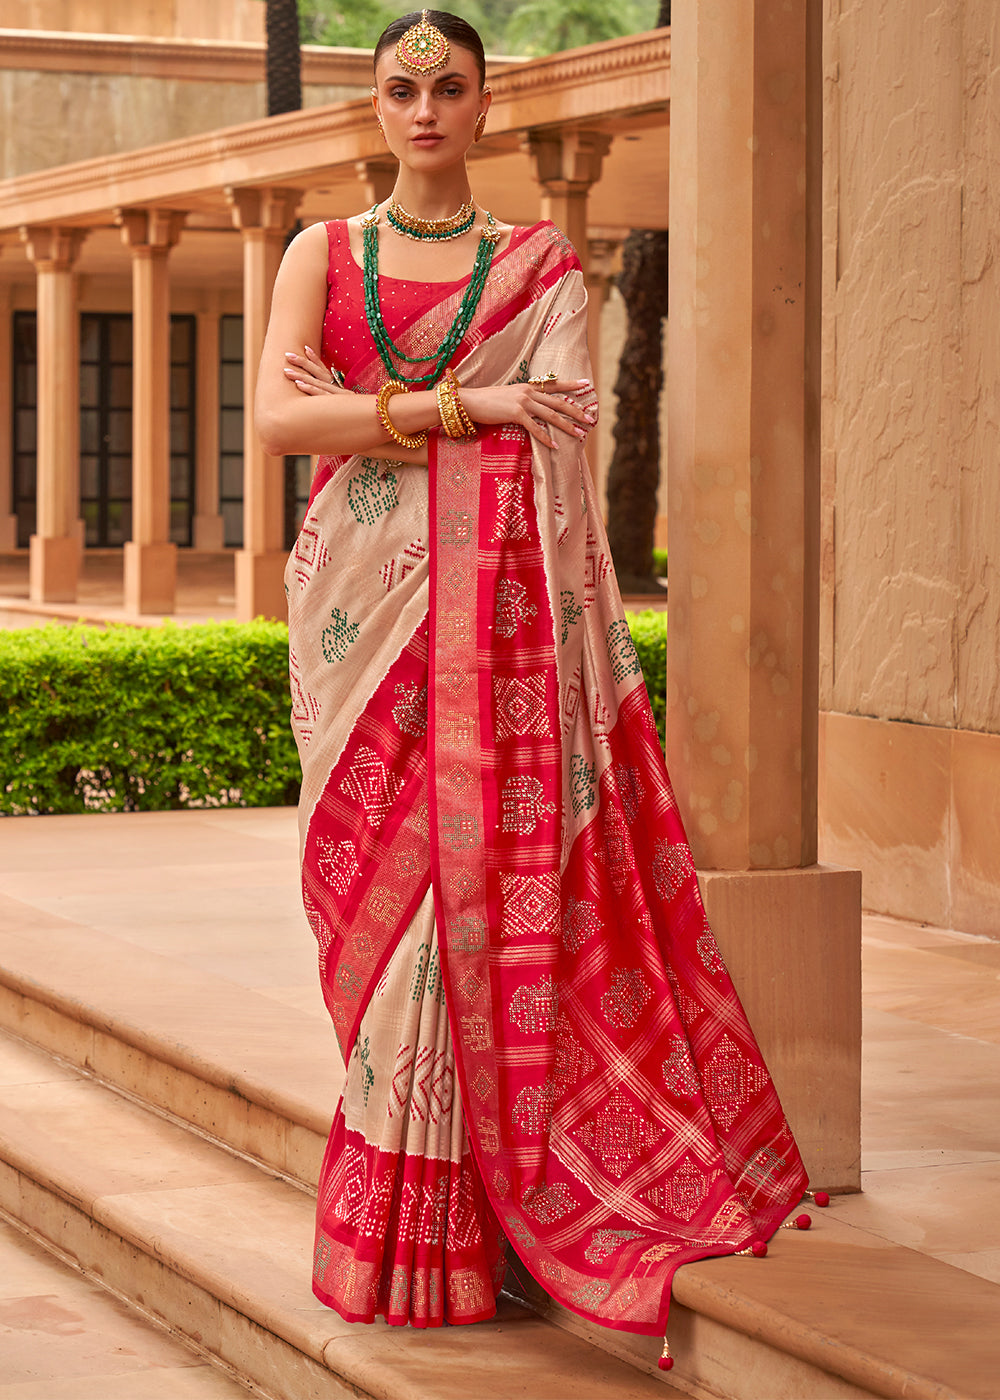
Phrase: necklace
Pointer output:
(410, 226)
(438, 358)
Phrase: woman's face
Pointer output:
(429, 120)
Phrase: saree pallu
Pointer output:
(543, 1045)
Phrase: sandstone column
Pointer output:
(54, 559)
(603, 265)
(8, 522)
(207, 520)
(150, 557)
(263, 217)
(565, 164)
(743, 471)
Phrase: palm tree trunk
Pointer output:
(634, 473)
(284, 58)
(284, 94)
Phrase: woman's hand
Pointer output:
(538, 410)
(310, 375)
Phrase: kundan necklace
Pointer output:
(438, 359)
(410, 226)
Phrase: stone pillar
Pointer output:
(565, 164)
(263, 217)
(378, 177)
(54, 560)
(743, 471)
(603, 265)
(150, 557)
(208, 533)
(8, 521)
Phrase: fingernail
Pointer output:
(310, 350)
(579, 432)
(584, 382)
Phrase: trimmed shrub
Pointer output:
(125, 719)
(649, 632)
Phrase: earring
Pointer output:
(381, 130)
(477, 135)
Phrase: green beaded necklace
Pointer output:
(385, 345)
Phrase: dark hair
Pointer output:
(453, 27)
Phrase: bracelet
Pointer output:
(454, 419)
(390, 387)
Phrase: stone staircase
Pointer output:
(163, 1127)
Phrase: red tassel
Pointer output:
(822, 1198)
(666, 1361)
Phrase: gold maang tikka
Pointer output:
(423, 48)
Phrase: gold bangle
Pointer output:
(463, 417)
(450, 420)
(390, 387)
(454, 419)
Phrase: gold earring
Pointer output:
(381, 130)
(477, 135)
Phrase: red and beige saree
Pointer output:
(542, 1043)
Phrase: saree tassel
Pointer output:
(799, 1222)
(820, 1198)
(758, 1249)
(666, 1361)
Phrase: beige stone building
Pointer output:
(833, 361)
(144, 198)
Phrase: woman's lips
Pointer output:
(426, 140)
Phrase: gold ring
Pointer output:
(548, 378)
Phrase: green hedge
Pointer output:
(649, 632)
(125, 719)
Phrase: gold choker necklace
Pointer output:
(432, 229)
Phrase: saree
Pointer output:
(544, 1049)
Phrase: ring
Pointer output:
(548, 378)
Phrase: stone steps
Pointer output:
(216, 1248)
(205, 1217)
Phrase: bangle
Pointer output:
(454, 419)
(390, 387)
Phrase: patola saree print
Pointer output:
(543, 1045)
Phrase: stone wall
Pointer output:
(55, 118)
(911, 491)
(180, 19)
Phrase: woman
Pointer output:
(542, 1043)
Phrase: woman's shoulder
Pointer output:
(546, 245)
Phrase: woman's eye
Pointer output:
(400, 93)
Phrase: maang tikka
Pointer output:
(423, 48)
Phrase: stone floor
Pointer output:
(205, 590)
(215, 893)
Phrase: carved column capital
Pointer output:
(263, 207)
(377, 177)
(150, 228)
(52, 247)
(566, 161)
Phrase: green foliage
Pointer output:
(355, 26)
(130, 719)
(660, 563)
(526, 27)
(649, 633)
(151, 719)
